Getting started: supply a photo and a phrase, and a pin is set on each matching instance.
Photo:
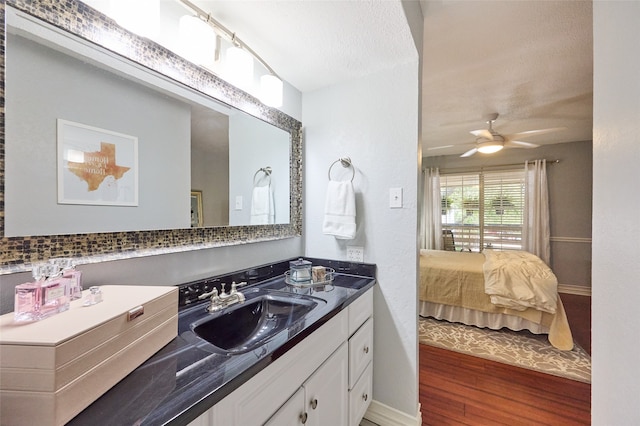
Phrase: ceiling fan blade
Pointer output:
(484, 133)
(534, 132)
(520, 144)
(434, 148)
(470, 152)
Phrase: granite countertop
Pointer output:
(188, 376)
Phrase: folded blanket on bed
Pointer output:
(519, 280)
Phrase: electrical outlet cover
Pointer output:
(355, 254)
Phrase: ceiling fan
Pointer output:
(489, 141)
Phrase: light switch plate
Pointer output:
(395, 198)
(355, 254)
(238, 202)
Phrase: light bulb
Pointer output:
(239, 67)
(490, 147)
(141, 16)
(271, 90)
(197, 40)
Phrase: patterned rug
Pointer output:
(522, 349)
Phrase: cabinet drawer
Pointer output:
(360, 397)
(360, 311)
(360, 351)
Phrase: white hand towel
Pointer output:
(340, 210)
(262, 206)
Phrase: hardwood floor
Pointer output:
(578, 310)
(457, 389)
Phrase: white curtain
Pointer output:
(535, 235)
(431, 219)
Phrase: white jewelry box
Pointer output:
(51, 370)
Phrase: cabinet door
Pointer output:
(292, 413)
(327, 399)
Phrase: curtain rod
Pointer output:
(497, 166)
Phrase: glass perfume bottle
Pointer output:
(28, 295)
(54, 292)
(75, 276)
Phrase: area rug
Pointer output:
(522, 349)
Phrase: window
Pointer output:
(484, 209)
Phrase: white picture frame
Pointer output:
(96, 166)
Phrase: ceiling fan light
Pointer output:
(489, 147)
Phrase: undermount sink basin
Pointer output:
(244, 327)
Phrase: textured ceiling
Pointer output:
(529, 61)
(313, 44)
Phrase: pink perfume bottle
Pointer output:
(75, 276)
(28, 296)
(47, 295)
(54, 292)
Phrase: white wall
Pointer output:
(616, 270)
(373, 120)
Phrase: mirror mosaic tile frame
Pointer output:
(18, 253)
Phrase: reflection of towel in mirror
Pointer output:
(262, 207)
(340, 210)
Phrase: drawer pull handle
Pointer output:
(314, 403)
(365, 396)
(135, 313)
(366, 349)
(303, 418)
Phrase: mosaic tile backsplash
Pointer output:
(17, 253)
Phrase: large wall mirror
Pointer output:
(204, 152)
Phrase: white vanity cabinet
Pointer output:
(323, 380)
(322, 400)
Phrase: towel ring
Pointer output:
(266, 171)
(345, 162)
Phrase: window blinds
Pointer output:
(484, 209)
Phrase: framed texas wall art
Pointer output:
(96, 166)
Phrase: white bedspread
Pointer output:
(519, 280)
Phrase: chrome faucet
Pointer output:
(222, 300)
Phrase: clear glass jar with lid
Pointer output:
(300, 270)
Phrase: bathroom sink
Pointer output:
(244, 327)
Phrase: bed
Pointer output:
(493, 289)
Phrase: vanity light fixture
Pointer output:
(199, 42)
(271, 90)
(238, 67)
(141, 17)
(239, 60)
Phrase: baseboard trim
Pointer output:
(382, 414)
(574, 289)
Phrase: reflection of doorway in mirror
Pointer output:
(196, 208)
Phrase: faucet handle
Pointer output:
(235, 292)
(213, 293)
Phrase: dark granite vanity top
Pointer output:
(188, 376)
